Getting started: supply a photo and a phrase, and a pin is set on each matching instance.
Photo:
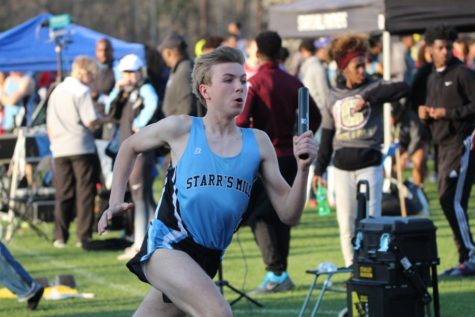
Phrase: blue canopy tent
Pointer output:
(29, 46)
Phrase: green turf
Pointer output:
(118, 293)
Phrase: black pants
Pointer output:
(272, 235)
(75, 183)
(456, 173)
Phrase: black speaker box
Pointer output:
(415, 238)
(367, 299)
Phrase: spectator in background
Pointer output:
(271, 106)
(157, 71)
(2, 81)
(105, 78)
(374, 66)
(312, 74)
(207, 44)
(419, 83)
(45, 82)
(212, 42)
(413, 136)
(461, 49)
(322, 49)
(179, 98)
(103, 82)
(402, 64)
(71, 117)
(322, 52)
(231, 40)
(449, 111)
(251, 65)
(133, 105)
(234, 28)
(418, 97)
(352, 134)
(283, 56)
(413, 140)
(471, 54)
(17, 279)
(2, 78)
(19, 97)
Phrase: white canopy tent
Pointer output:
(310, 18)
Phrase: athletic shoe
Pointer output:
(59, 244)
(274, 283)
(464, 269)
(83, 243)
(35, 299)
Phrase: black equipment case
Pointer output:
(367, 299)
(395, 262)
(415, 237)
(380, 243)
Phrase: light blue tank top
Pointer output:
(213, 192)
(11, 111)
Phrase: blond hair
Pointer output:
(83, 65)
(202, 69)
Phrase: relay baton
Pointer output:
(303, 119)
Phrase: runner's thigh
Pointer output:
(187, 285)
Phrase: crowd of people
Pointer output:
(223, 126)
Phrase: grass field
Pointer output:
(315, 240)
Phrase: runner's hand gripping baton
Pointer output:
(303, 115)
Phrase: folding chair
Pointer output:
(329, 272)
(329, 269)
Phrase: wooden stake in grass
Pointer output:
(400, 184)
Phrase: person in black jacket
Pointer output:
(449, 111)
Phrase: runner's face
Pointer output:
(228, 86)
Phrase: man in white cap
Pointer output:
(133, 105)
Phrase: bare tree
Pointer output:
(147, 21)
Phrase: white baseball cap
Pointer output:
(131, 63)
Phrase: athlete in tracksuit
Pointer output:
(450, 113)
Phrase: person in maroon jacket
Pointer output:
(271, 106)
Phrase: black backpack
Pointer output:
(416, 200)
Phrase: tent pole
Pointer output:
(59, 60)
(387, 106)
(387, 76)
